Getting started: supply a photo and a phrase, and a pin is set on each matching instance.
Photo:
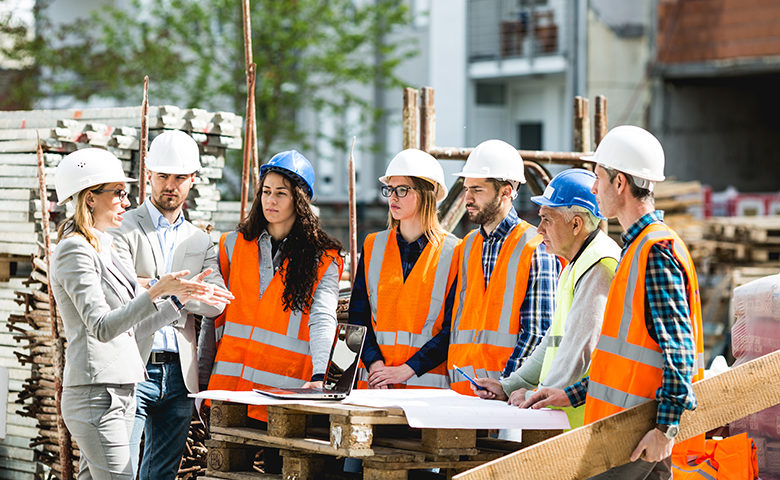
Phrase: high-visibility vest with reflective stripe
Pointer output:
(627, 365)
(601, 249)
(486, 321)
(406, 314)
(259, 343)
(732, 458)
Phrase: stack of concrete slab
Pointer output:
(25, 339)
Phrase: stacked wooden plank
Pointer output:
(678, 200)
(742, 240)
(29, 353)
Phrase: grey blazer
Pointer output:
(137, 245)
(102, 315)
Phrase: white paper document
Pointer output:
(425, 408)
(438, 408)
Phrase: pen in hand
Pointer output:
(479, 387)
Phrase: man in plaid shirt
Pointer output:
(643, 353)
(505, 292)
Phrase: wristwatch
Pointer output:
(669, 431)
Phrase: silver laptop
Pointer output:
(340, 374)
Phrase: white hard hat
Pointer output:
(631, 150)
(416, 163)
(86, 168)
(494, 159)
(174, 152)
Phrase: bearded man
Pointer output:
(505, 289)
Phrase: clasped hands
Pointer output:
(195, 288)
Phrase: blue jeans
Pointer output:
(163, 416)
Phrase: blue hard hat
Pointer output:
(294, 166)
(569, 188)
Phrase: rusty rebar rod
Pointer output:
(462, 153)
(63, 436)
(352, 215)
(143, 143)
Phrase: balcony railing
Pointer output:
(515, 28)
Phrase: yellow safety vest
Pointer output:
(601, 249)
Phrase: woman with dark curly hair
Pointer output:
(284, 271)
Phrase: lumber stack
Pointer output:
(677, 200)
(743, 240)
(62, 132)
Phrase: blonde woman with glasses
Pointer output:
(403, 279)
(103, 309)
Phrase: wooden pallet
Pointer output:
(312, 437)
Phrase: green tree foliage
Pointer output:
(310, 54)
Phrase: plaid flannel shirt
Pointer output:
(536, 312)
(669, 315)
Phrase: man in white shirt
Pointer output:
(156, 239)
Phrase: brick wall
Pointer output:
(706, 30)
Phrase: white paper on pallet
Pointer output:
(424, 408)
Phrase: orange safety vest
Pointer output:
(486, 321)
(406, 314)
(258, 342)
(732, 458)
(627, 364)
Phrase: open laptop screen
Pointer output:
(344, 357)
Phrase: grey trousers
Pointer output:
(100, 418)
(639, 470)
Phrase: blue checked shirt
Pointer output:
(668, 314)
(430, 355)
(536, 312)
(165, 337)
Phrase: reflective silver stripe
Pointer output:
(294, 323)
(455, 376)
(237, 330)
(554, 341)
(375, 269)
(219, 331)
(280, 341)
(620, 346)
(693, 463)
(614, 396)
(268, 378)
(432, 380)
(414, 340)
(630, 351)
(230, 244)
(266, 337)
(385, 338)
(700, 362)
(463, 337)
(511, 279)
(439, 292)
(467, 244)
(231, 369)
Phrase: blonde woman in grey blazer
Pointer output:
(103, 309)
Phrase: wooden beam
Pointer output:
(581, 125)
(600, 119)
(427, 120)
(410, 131)
(595, 448)
(142, 147)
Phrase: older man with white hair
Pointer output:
(570, 228)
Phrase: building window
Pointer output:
(491, 94)
(529, 135)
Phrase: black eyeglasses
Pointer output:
(400, 191)
(121, 193)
